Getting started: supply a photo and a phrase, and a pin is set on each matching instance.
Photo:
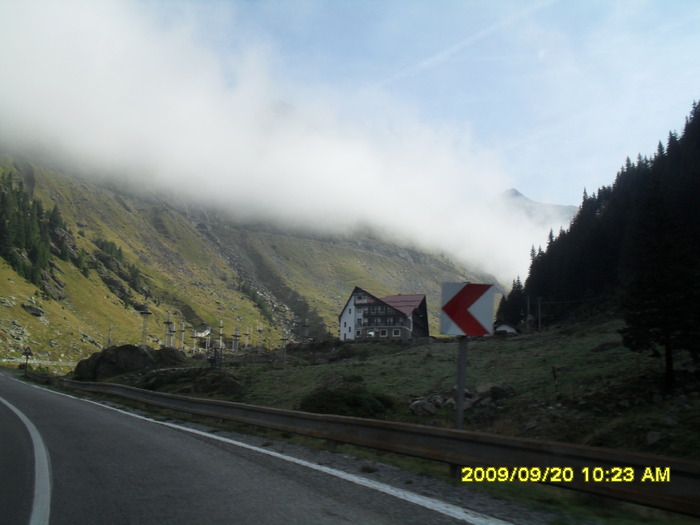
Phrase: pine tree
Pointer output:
(661, 304)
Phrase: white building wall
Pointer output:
(347, 321)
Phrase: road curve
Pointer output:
(108, 467)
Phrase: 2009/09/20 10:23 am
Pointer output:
(565, 474)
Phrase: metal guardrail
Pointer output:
(662, 482)
(38, 377)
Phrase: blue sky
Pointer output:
(561, 91)
(409, 116)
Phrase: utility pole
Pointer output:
(182, 335)
(168, 331)
(109, 334)
(144, 334)
(284, 340)
(221, 343)
(234, 343)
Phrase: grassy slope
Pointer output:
(325, 272)
(59, 334)
(605, 395)
(185, 272)
(192, 275)
(602, 387)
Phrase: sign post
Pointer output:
(467, 309)
(27, 353)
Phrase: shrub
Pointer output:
(346, 401)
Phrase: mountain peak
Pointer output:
(545, 215)
(512, 193)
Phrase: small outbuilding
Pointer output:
(504, 329)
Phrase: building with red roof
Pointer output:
(392, 317)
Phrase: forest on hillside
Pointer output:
(634, 244)
(26, 231)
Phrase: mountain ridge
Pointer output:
(200, 266)
(540, 213)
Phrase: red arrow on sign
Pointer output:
(458, 309)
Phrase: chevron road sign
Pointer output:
(467, 309)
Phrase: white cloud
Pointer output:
(118, 88)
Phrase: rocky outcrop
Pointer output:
(485, 395)
(33, 310)
(118, 360)
(192, 381)
(423, 407)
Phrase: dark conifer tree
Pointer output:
(511, 309)
(661, 304)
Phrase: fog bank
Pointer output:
(145, 91)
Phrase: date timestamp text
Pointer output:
(566, 474)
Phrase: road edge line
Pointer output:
(41, 506)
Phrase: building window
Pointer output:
(396, 332)
(358, 333)
(350, 310)
(359, 321)
(390, 321)
(382, 333)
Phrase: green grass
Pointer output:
(570, 506)
(604, 394)
(592, 368)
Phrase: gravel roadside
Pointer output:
(455, 494)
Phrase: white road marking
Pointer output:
(447, 509)
(41, 507)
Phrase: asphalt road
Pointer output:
(106, 467)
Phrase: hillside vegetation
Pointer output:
(129, 251)
(635, 242)
(573, 382)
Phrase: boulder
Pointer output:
(499, 392)
(192, 380)
(423, 407)
(114, 361)
(118, 360)
(169, 356)
(34, 310)
(484, 389)
(495, 392)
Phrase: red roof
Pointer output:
(404, 303)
